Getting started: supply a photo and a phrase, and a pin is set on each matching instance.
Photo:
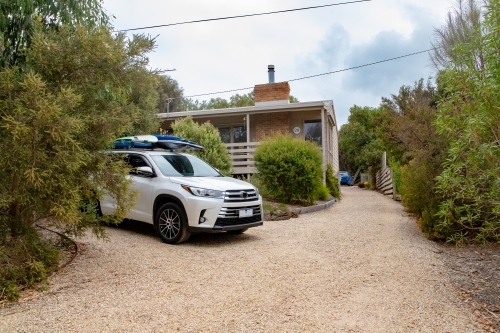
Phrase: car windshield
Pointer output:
(184, 166)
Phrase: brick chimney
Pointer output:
(272, 93)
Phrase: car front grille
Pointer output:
(234, 212)
(240, 196)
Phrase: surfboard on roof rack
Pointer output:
(176, 143)
(169, 142)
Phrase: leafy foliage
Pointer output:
(234, 101)
(322, 193)
(290, 168)
(258, 183)
(17, 272)
(82, 91)
(359, 145)
(407, 126)
(220, 103)
(463, 26)
(416, 151)
(332, 183)
(470, 118)
(18, 19)
(168, 88)
(207, 135)
(68, 88)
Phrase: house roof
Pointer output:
(304, 106)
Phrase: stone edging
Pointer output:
(315, 208)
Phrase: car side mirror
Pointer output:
(145, 171)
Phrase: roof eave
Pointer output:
(248, 109)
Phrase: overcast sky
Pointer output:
(231, 54)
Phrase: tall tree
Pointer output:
(234, 101)
(19, 17)
(408, 121)
(80, 90)
(359, 145)
(415, 149)
(463, 26)
(469, 117)
(170, 95)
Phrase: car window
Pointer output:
(184, 166)
(135, 161)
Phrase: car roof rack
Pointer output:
(156, 141)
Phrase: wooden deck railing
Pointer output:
(241, 155)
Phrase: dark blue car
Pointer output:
(345, 178)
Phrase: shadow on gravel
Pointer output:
(208, 239)
(137, 227)
(220, 239)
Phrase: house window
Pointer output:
(239, 134)
(235, 134)
(312, 131)
(225, 134)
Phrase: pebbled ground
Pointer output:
(361, 265)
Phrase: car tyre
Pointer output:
(237, 232)
(171, 224)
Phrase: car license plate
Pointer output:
(246, 212)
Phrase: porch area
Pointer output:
(242, 129)
(241, 155)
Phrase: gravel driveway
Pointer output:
(360, 266)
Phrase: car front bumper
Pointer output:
(220, 228)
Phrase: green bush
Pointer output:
(418, 193)
(395, 166)
(207, 135)
(322, 193)
(258, 183)
(25, 261)
(332, 183)
(290, 168)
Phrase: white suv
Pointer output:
(180, 194)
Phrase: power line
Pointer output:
(328, 73)
(240, 16)
(365, 65)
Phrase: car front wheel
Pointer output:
(171, 224)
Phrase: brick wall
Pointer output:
(268, 124)
(272, 92)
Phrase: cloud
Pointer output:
(389, 76)
(329, 53)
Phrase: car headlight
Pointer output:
(202, 192)
(257, 190)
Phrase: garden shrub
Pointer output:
(258, 183)
(207, 135)
(332, 182)
(418, 192)
(322, 193)
(291, 169)
(395, 166)
(25, 261)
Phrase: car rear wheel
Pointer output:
(171, 224)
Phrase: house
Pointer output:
(241, 129)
